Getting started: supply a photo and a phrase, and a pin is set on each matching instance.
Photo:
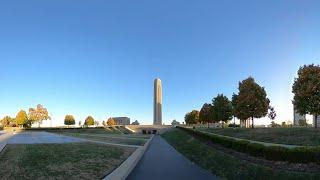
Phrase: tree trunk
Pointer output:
(208, 124)
(252, 124)
(316, 121)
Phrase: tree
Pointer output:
(221, 109)
(96, 123)
(22, 118)
(283, 124)
(192, 117)
(205, 114)
(6, 121)
(306, 90)
(103, 123)
(89, 121)
(111, 122)
(136, 122)
(38, 114)
(302, 122)
(251, 101)
(272, 113)
(175, 123)
(69, 120)
(274, 125)
(79, 123)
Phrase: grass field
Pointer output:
(224, 165)
(291, 136)
(87, 130)
(105, 135)
(120, 139)
(60, 161)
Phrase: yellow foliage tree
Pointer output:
(111, 122)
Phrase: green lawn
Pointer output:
(224, 165)
(291, 136)
(86, 130)
(60, 161)
(130, 140)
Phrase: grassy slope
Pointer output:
(86, 130)
(105, 138)
(58, 161)
(223, 165)
(294, 136)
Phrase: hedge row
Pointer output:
(303, 154)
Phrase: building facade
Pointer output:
(318, 121)
(157, 106)
(297, 116)
(122, 120)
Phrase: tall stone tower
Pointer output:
(157, 106)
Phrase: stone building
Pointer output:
(122, 120)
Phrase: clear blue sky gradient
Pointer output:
(100, 57)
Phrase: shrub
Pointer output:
(304, 154)
(234, 125)
(276, 153)
(240, 145)
(255, 149)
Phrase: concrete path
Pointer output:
(161, 161)
(3, 139)
(40, 138)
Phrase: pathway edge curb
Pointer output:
(123, 171)
(5, 142)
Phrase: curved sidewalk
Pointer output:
(161, 161)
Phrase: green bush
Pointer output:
(304, 154)
(276, 153)
(240, 145)
(255, 149)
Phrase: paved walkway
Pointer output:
(162, 162)
(40, 138)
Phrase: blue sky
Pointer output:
(100, 57)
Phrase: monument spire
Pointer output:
(157, 106)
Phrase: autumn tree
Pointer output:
(192, 117)
(306, 90)
(221, 108)
(89, 121)
(38, 114)
(205, 114)
(22, 118)
(69, 120)
(6, 121)
(251, 101)
(111, 122)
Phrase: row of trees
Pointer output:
(22, 119)
(250, 102)
(89, 121)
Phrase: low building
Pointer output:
(297, 117)
(318, 121)
(122, 120)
